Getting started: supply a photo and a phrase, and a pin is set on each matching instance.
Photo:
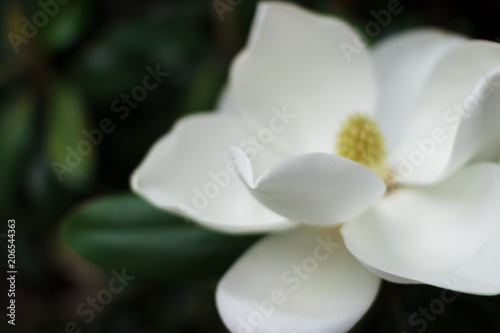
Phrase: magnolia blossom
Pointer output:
(371, 163)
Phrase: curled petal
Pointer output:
(314, 188)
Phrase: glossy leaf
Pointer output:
(123, 231)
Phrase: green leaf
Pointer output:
(16, 134)
(67, 25)
(123, 231)
(71, 154)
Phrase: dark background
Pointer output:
(65, 79)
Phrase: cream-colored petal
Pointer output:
(189, 171)
(457, 114)
(301, 281)
(403, 62)
(446, 235)
(315, 188)
(294, 64)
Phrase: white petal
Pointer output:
(314, 188)
(460, 102)
(189, 171)
(446, 235)
(263, 292)
(294, 60)
(226, 104)
(403, 63)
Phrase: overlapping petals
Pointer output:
(403, 63)
(189, 171)
(447, 235)
(314, 188)
(455, 115)
(439, 112)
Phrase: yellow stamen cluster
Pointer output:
(360, 140)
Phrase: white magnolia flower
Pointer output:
(306, 126)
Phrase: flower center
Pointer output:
(360, 140)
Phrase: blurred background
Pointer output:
(68, 65)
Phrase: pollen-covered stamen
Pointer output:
(360, 140)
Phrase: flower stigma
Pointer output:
(361, 141)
